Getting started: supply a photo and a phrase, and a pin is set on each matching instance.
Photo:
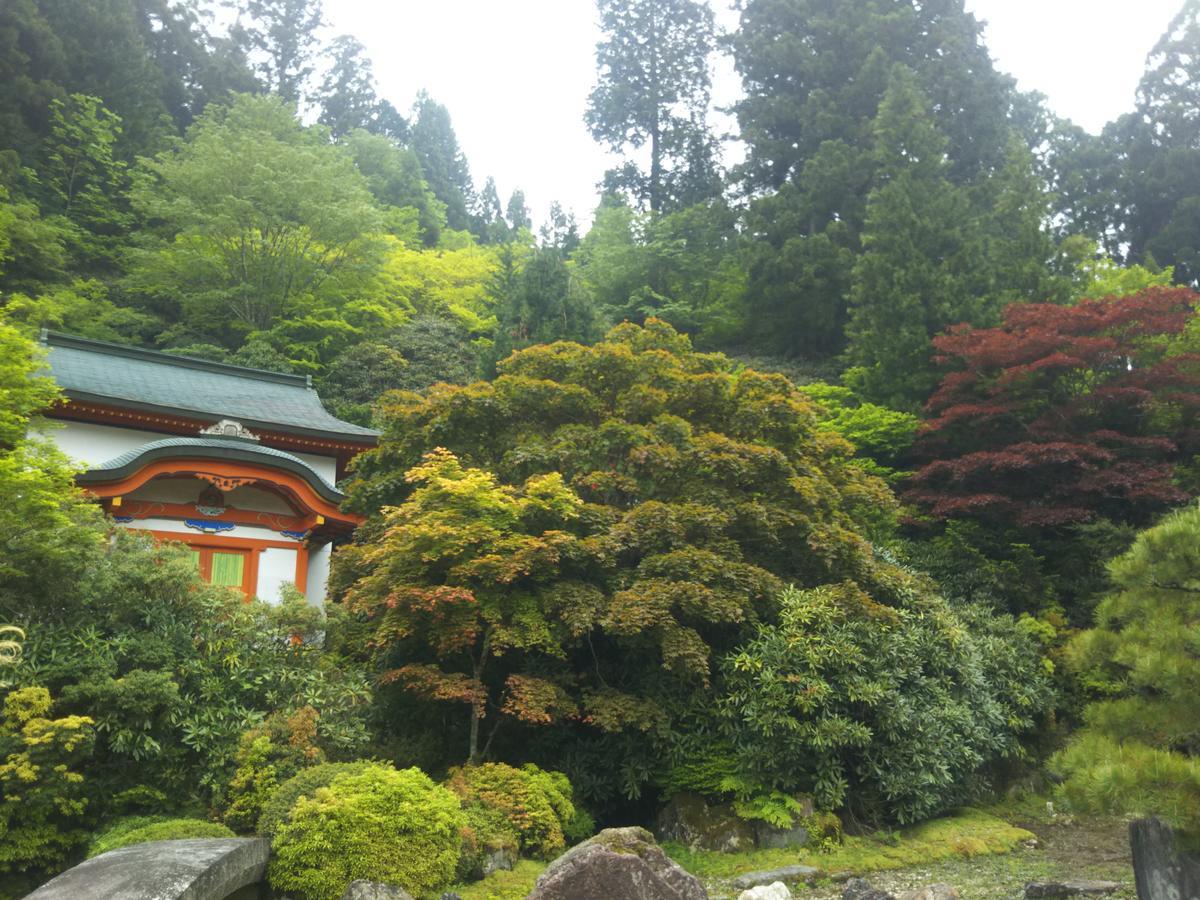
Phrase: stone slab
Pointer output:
(193, 869)
(1161, 869)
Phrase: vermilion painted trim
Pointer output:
(254, 548)
(147, 509)
(240, 472)
(220, 540)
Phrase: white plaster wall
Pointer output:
(96, 444)
(275, 567)
(318, 573)
(169, 490)
(326, 466)
(239, 531)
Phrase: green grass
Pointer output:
(965, 834)
(512, 885)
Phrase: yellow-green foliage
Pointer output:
(278, 808)
(266, 756)
(42, 799)
(397, 827)
(534, 804)
(141, 829)
(1103, 775)
(967, 833)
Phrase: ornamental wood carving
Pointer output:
(225, 482)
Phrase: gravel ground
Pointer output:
(1096, 849)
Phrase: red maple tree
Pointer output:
(1063, 413)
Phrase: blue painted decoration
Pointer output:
(209, 526)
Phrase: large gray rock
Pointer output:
(618, 862)
(1161, 870)
(861, 889)
(500, 859)
(688, 819)
(768, 876)
(769, 837)
(194, 869)
(373, 890)
(1069, 888)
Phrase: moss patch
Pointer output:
(514, 885)
(967, 833)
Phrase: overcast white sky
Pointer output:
(515, 74)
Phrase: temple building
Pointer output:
(241, 465)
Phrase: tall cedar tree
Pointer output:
(914, 275)
(652, 92)
(1158, 148)
(445, 168)
(348, 98)
(814, 75)
(816, 70)
(577, 541)
(1063, 415)
(282, 35)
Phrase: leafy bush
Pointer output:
(266, 756)
(42, 798)
(487, 831)
(533, 805)
(1140, 751)
(382, 824)
(174, 672)
(889, 708)
(142, 829)
(883, 437)
(278, 807)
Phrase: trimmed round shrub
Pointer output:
(533, 804)
(143, 829)
(304, 783)
(381, 824)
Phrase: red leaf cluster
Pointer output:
(1063, 413)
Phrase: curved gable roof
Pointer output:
(224, 449)
(130, 377)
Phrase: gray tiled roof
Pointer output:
(215, 447)
(146, 379)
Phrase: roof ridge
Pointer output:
(61, 339)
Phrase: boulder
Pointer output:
(1162, 871)
(932, 892)
(374, 890)
(770, 837)
(769, 876)
(861, 889)
(775, 891)
(1069, 888)
(618, 862)
(501, 859)
(688, 819)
